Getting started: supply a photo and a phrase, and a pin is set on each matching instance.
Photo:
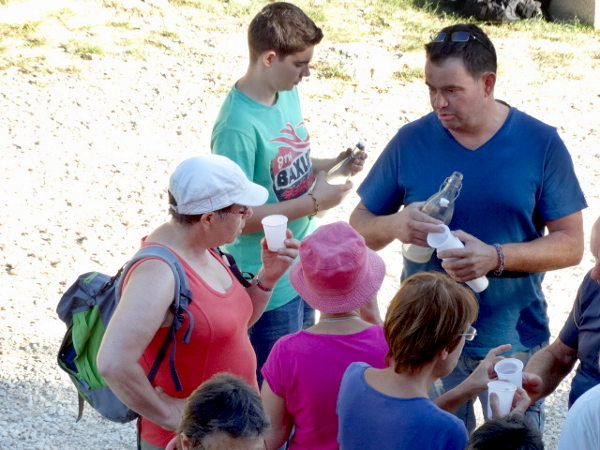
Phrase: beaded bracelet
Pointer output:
(261, 286)
(500, 254)
(315, 205)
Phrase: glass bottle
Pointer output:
(339, 174)
(439, 206)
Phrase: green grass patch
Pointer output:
(25, 30)
(69, 69)
(330, 71)
(169, 34)
(121, 24)
(156, 43)
(63, 14)
(136, 53)
(408, 74)
(82, 49)
(551, 58)
(188, 3)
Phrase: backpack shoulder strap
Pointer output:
(163, 253)
(181, 299)
(244, 278)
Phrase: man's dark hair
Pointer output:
(511, 432)
(223, 404)
(477, 53)
(283, 28)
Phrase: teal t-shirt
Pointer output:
(272, 146)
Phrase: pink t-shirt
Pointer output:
(306, 370)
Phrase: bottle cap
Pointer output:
(360, 145)
(444, 202)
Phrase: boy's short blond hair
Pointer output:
(427, 315)
(283, 28)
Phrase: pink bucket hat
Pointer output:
(336, 272)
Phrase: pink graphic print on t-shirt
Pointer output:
(291, 169)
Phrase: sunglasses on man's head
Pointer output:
(458, 36)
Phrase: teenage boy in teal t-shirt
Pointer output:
(260, 127)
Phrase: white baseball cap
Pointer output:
(208, 183)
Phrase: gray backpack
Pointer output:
(86, 308)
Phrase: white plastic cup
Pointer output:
(505, 392)
(446, 241)
(275, 227)
(511, 370)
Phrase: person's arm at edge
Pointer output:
(552, 364)
(131, 328)
(281, 420)
(377, 230)
(561, 247)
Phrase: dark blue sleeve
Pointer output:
(381, 191)
(569, 335)
(561, 194)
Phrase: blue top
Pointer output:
(513, 184)
(581, 331)
(369, 419)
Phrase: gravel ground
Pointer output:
(86, 156)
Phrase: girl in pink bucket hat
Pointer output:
(336, 274)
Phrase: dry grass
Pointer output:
(61, 35)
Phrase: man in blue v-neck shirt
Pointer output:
(518, 181)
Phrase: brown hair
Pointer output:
(189, 219)
(227, 404)
(283, 28)
(428, 314)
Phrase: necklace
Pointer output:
(337, 319)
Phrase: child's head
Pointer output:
(510, 432)
(336, 271)
(429, 314)
(223, 413)
(283, 28)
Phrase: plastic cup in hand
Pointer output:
(446, 241)
(505, 392)
(275, 227)
(511, 370)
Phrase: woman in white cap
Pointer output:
(336, 274)
(210, 200)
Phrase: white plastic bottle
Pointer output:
(439, 206)
(446, 241)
